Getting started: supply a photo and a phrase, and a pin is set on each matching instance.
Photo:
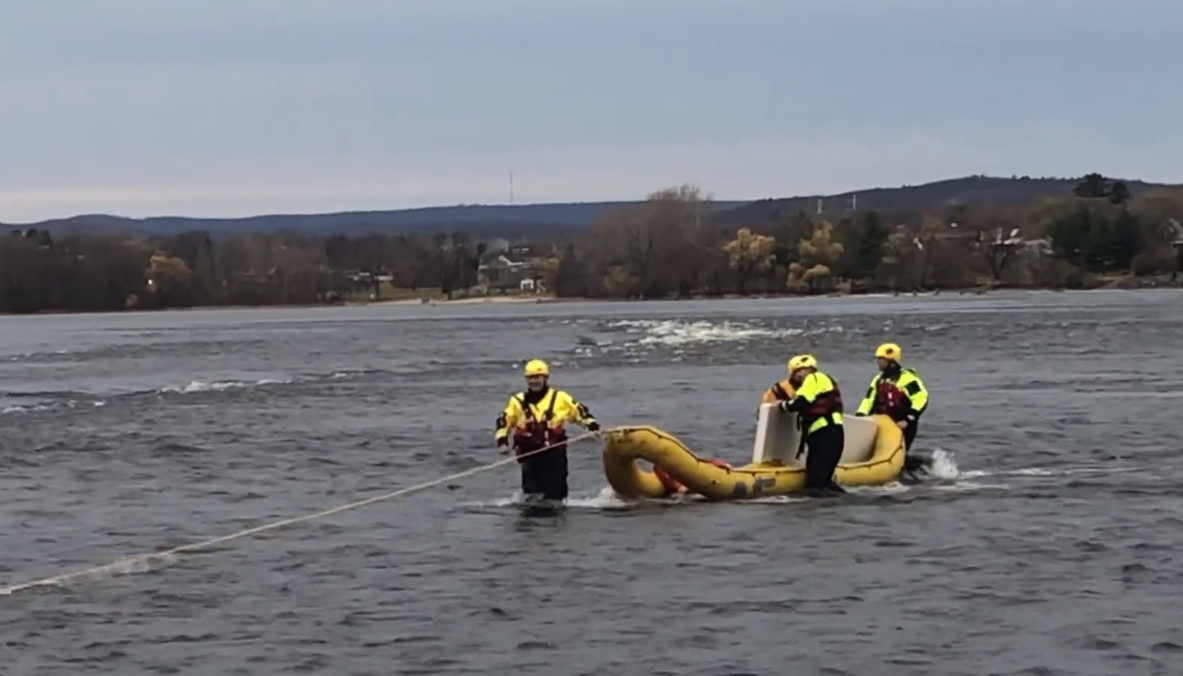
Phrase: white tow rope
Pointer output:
(131, 563)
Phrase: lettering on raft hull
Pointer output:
(758, 486)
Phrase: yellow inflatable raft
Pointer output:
(873, 456)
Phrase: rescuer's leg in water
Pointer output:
(825, 450)
(914, 465)
(545, 475)
(531, 485)
(554, 474)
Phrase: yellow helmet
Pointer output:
(537, 367)
(889, 351)
(802, 361)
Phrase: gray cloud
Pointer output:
(143, 106)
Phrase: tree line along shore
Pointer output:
(671, 246)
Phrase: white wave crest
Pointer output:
(221, 385)
(34, 408)
(675, 333)
(605, 499)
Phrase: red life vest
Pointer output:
(667, 482)
(824, 406)
(890, 400)
(672, 485)
(537, 433)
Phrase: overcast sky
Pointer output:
(237, 107)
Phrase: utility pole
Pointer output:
(511, 188)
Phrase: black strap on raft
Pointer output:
(779, 392)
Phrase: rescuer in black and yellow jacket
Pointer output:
(535, 419)
(899, 393)
(817, 401)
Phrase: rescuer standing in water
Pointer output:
(818, 405)
(899, 393)
(535, 418)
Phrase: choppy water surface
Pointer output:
(1053, 546)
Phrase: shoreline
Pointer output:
(402, 302)
(546, 299)
(474, 300)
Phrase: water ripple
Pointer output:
(1049, 545)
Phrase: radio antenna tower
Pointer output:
(511, 188)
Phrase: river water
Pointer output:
(1051, 546)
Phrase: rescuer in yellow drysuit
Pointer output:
(818, 404)
(898, 393)
(536, 419)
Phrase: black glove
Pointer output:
(593, 426)
(502, 442)
(784, 406)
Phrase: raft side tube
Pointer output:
(873, 456)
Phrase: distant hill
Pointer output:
(532, 219)
(935, 195)
(484, 220)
